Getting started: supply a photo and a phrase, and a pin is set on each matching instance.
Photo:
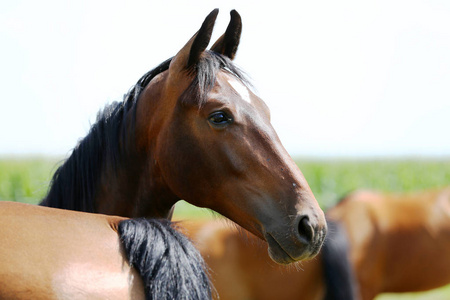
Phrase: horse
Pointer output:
(240, 268)
(50, 253)
(193, 129)
(377, 243)
(398, 242)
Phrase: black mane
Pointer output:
(339, 277)
(75, 182)
(110, 143)
(169, 264)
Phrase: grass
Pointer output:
(26, 180)
(332, 179)
(442, 293)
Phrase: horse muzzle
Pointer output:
(302, 240)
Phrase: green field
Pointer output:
(27, 179)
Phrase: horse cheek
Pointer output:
(185, 169)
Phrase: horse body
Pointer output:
(399, 243)
(48, 253)
(396, 243)
(241, 268)
(57, 254)
(192, 129)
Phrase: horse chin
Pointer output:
(284, 257)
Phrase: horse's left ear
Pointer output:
(228, 43)
(190, 54)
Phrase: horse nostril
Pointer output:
(305, 229)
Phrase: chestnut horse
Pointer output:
(398, 242)
(192, 129)
(377, 243)
(49, 253)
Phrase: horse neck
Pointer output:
(136, 191)
(106, 174)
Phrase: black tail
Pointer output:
(169, 264)
(339, 277)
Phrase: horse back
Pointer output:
(49, 253)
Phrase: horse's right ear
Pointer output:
(190, 54)
(228, 43)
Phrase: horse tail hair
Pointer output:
(169, 264)
(340, 280)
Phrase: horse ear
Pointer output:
(228, 43)
(190, 54)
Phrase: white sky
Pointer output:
(342, 78)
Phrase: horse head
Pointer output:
(210, 142)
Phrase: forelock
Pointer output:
(205, 74)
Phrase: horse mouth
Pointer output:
(277, 253)
(282, 255)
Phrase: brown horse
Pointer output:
(192, 129)
(48, 253)
(397, 243)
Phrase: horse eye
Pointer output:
(219, 119)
